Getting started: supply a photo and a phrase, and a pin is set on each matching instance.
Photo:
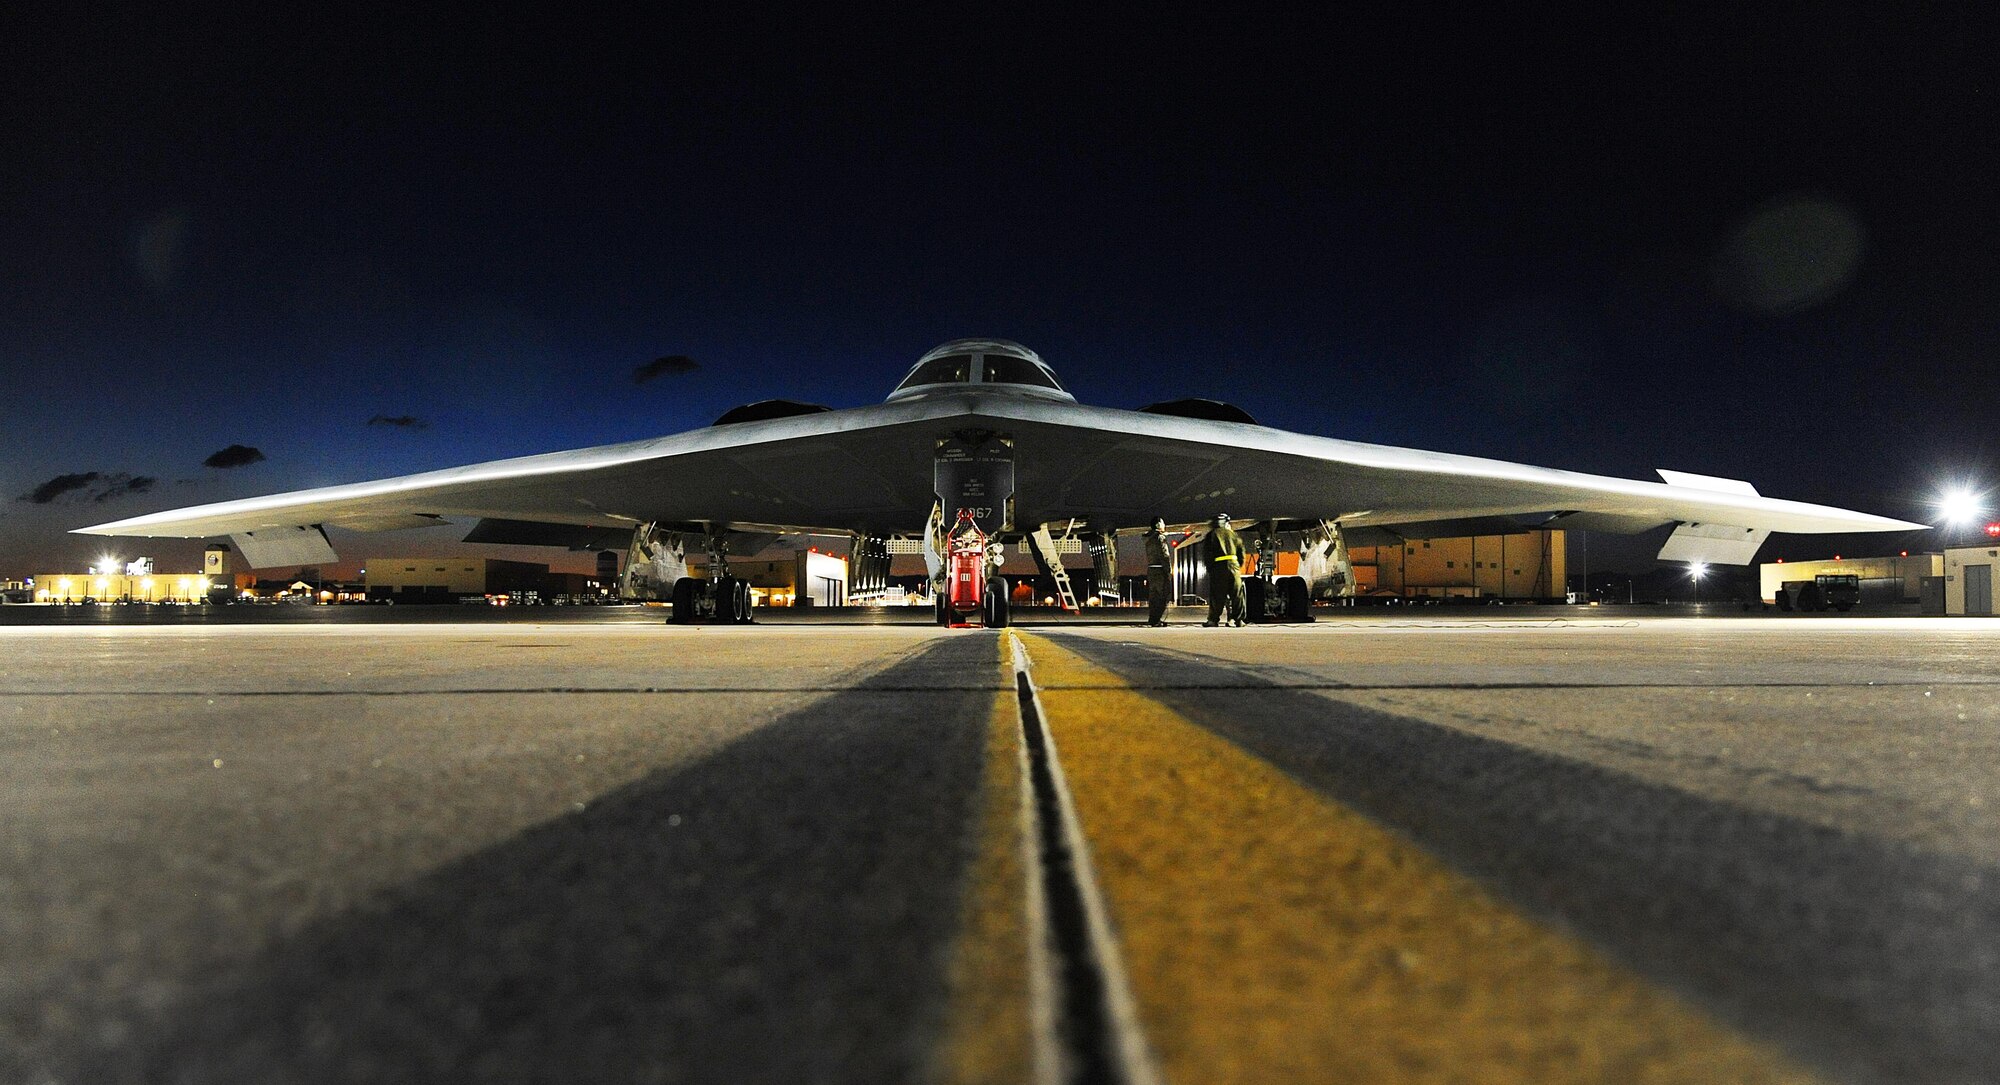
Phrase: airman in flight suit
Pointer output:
(1224, 550)
(1159, 572)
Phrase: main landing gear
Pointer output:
(697, 600)
(1286, 599)
(722, 599)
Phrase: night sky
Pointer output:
(241, 259)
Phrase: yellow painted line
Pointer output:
(1271, 934)
(989, 1036)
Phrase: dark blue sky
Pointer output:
(1764, 250)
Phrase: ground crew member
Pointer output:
(1159, 572)
(1224, 550)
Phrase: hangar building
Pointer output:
(445, 580)
(108, 587)
(1896, 579)
(1522, 565)
(806, 578)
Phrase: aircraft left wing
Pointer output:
(825, 472)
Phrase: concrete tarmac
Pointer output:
(612, 849)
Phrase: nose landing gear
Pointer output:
(975, 593)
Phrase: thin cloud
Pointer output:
(400, 421)
(124, 486)
(58, 486)
(671, 365)
(234, 456)
(88, 485)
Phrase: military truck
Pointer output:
(1827, 591)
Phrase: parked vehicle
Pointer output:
(1828, 591)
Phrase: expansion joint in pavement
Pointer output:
(1085, 1010)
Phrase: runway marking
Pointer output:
(1362, 687)
(1085, 993)
(1272, 934)
(1001, 1028)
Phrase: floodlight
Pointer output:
(1958, 506)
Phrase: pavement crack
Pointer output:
(1094, 1017)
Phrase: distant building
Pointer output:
(1523, 565)
(1895, 579)
(319, 591)
(447, 580)
(1968, 580)
(806, 578)
(123, 587)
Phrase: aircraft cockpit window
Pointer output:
(952, 369)
(1003, 369)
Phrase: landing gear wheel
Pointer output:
(943, 608)
(1254, 591)
(1297, 598)
(743, 602)
(996, 602)
(687, 590)
(727, 599)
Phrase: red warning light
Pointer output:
(1993, 531)
(1905, 553)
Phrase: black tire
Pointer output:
(1843, 607)
(1809, 599)
(1254, 591)
(1297, 598)
(942, 604)
(686, 590)
(726, 601)
(743, 603)
(996, 602)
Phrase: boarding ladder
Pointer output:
(1044, 545)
